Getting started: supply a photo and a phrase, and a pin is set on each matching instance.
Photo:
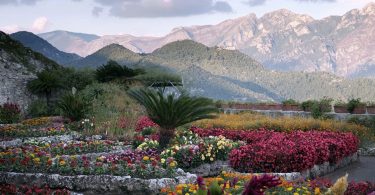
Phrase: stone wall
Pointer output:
(13, 81)
(98, 184)
(217, 167)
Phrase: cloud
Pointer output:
(18, 2)
(10, 28)
(96, 11)
(39, 24)
(261, 2)
(163, 8)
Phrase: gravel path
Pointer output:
(363, 170)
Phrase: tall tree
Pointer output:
(171, 111)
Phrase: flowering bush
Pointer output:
(10, 131)
(269, 151)
(25, 189)
(9, 113)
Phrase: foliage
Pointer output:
(112, 70)
(354, 103)
(47, 81)
(9, 113)
(285, 152)
(73, 106)
(17, 131)
(253, 121)
(170, 111)
(37, 108)
(159, 79)
(112, 111)
(78, 79)
(290, 102)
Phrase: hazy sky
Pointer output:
(148, 17)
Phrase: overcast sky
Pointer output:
(148, 17)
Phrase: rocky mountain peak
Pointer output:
(369, 9)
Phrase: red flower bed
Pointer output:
(25, 189)
(269, 151)
(143, 122)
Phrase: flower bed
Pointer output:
(64, 148)
(190, 150)
(27, 189)
(142, 164)
(235, 183)
(17, 131)
(250, 121)
(269, 151)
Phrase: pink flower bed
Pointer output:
(269, 151)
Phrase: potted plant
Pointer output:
(325, 104)
(370, 108)
(291, 105)
(340, 107)
(355, 106)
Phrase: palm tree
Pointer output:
(170, 111)
(46, 82)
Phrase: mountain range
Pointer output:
(280, 40)
(229, 74)
(40, 45)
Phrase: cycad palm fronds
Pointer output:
(170, 111)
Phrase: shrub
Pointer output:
(37, 108)
(290, 102)
(111, 108)
(112, 70)
(73, 107)
(9, 113)
(354, 103)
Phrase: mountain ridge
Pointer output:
(40, 45)
(229, 74)
(281, 40)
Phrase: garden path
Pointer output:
(363, 170)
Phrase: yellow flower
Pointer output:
(36, 160)
(62, 163)
(146, 158)
(290, 189)
(317, 191)
(162, 160)
(295, 193)
(172, 164)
